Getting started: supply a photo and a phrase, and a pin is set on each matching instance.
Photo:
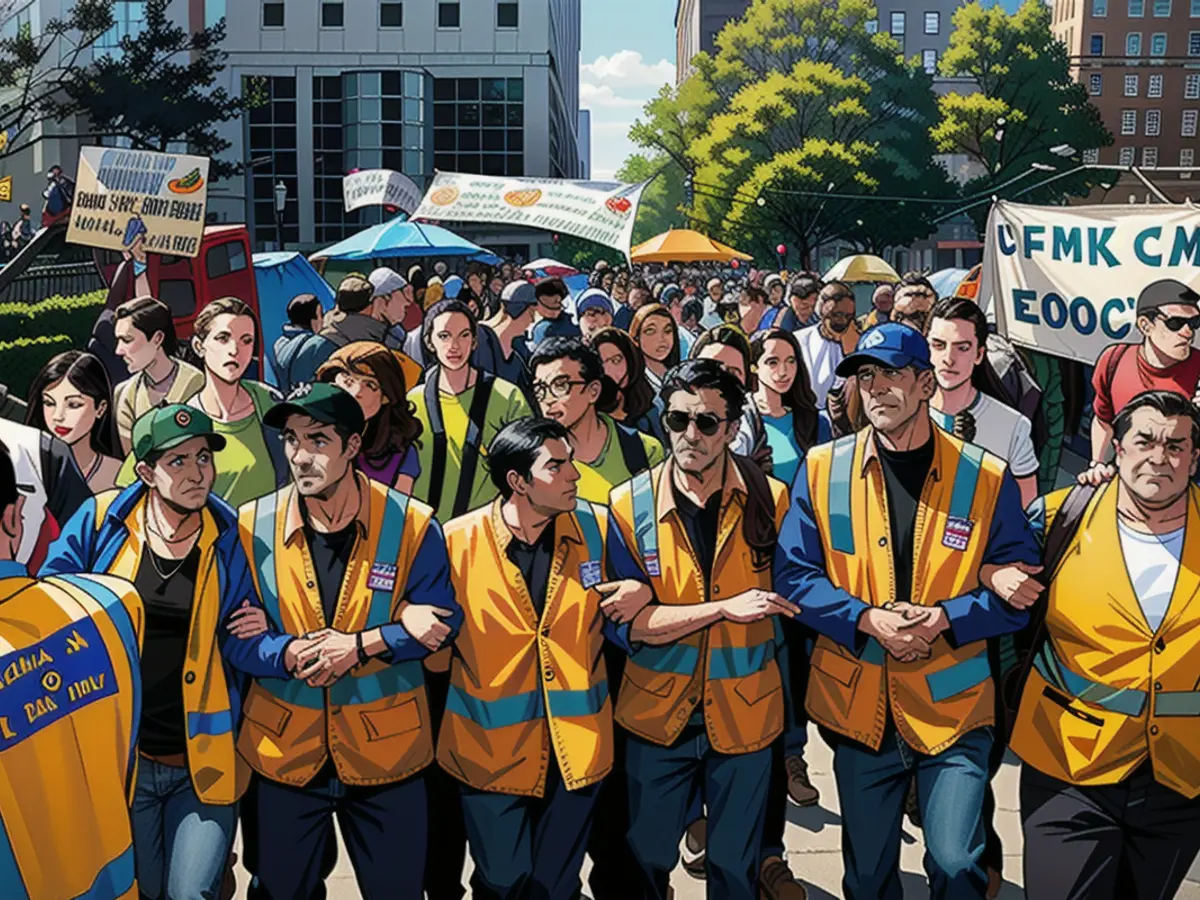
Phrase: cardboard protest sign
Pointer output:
(1065, 280)
(597, 211)
(124, 195)
(380, 187)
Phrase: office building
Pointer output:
(696, 25)
(585, 143)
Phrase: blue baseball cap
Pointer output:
(593, 298)
(890, 344)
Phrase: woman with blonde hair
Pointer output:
(372, 375)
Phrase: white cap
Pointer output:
(385, 282)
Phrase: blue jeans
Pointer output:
(734, 792)
(180, 845)
(950, 790)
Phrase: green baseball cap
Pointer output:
(323, 402)
(169, 426)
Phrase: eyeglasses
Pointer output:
(707, 423)
(558, 388)
(1176, 323)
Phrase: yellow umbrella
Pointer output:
(684, 245)
(863, 268)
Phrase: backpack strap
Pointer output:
(470, 451)
(437, 426)
(633, 451)
(1114, 362)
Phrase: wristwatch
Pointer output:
(363, 659)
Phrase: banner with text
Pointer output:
(1065, 280)
(380, 187)
(596, 211)
(123, 196)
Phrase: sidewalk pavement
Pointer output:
(813, 839)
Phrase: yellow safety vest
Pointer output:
(374, 721)
(520, 683)
(727, 671)
(935, 701)
(1107, 693)
(70, 704)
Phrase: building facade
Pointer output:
(697, 23)
(1140, 62)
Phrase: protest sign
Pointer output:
(124, 195)
(596, 211)
(380, 187)
(1065, 280)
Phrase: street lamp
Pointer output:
(280, 203)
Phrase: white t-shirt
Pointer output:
(1152, 561)
(1000, 430)
(821, 358)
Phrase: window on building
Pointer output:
(1193, 43)
(1154, 87)
(272, 136)
(391, 15)
(1091, 157)
(1188, 125)
(929, 61)
(478, 125)
(1187, 157)
(1095, 83)
(872, 26)
(333, 15)
(1099, 8)
(1127, 156)
(1131, 85)
(1133, 43)
(1149, 157)
(1162, 9)
(933, 22)
(1196, 9)
(1097, 45)
(128, 18)
(1129, 121)
(1153, 122)
(449, 15)
(507, 15)
(1191, 86)
(1137, 8)
(272, 15)
(1158, 44)
(898, 24)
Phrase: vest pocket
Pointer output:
(757, 687)
(1078, 729)
(831, 691)
(650, 682)
(266, 713)
(385, 723)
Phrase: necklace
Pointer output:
(157, 532)
(165, 576)
(153, 385)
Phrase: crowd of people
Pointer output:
(494, 568)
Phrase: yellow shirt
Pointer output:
(605, 472)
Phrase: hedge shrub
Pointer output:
(57, 315)
(23, 358)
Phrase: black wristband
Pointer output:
(363, 659)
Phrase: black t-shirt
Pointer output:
(701, 524)
(330, 553)
(167, 587)
(905, 472)
(534, 562)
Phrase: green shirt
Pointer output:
(506, 404)
(605, 472)
(245, 471)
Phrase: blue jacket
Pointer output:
(297, 356)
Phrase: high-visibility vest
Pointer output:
(219, 776)
(70, 704)
(373, 721)
(934, 701)
(1106, 693)
(727, 671)
(521, 684)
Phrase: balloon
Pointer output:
(781, 249)
(735, 263)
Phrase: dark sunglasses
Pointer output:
(707, 423)
(1176, 323)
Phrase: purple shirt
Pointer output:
(388, 468)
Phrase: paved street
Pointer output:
(814, 842)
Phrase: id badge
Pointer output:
(382, 577)
(589, 573)
(652, 568)
(958, 533)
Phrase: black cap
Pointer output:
(323, 402)
(1164, 293)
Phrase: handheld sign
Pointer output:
(122, 196)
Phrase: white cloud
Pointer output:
(613, 87)
(593, 96)
(626, 68)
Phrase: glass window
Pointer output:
(898, 24)
(1158, 45)
(449, 15)
(1091, 157)
(391, 15)
(1187, 157)
(929, 61)
(1127, 156)
(225, 259)
(412, 111)
(333, 15)
(1129, 121)
(272, 15)
(507, 15)
(1196, 9)
(873, 25)
(444, 89)
(128, 17)
(933, 22)
(1097, 45)
(1131, 85)
(1154, 87)
(1191, 86)
(468, 89)
(1137, 8)
(414, 85)
(1099, 8)
(1188, 126)
(516, 90)
(1153, 122)
(1162, 9)
(1133, 43)
(1149, 157)
(493, 89)
(1095, 83)
(1193, 43)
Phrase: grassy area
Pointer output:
(32, 333)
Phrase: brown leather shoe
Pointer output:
(775, 882)
(800, 789)
(695, 844)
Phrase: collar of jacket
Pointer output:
(665, 500)
(224, 517)
(566, 527)
(870, 450)
(293, 521)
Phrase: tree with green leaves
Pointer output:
(662, 200)
(159, 89)
(1026, 104)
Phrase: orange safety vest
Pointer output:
(374, 720)
(520, 683)
(935, 701)
(731, 666)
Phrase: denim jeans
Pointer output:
(950, 789)
(180, 845)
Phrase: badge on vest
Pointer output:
(652, 568)
(589, 573)
(382, 577)
(958, 533)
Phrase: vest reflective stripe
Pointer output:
(571, 704)
(1124, 701)
(841, 470)
(1177, 703)
(591, 530)
(349, 690)
(942, 420)
(527, 707)
(210, 724)
(645, 528)
(119, 617)
(114, 880)
(960, 677)
(739, 662)
(966, 478)
(669, 659)
(264, 555)
(388, 549)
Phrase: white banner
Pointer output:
(380, 187)
(596, 211)
(122, 196)
(1065, 280)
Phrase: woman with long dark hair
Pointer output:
(71, 398)
(786, 401)
(654, 331)
(637, 406)
(372, 375)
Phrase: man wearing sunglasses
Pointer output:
(701, 700)
(827, 343)
(1168, 317)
